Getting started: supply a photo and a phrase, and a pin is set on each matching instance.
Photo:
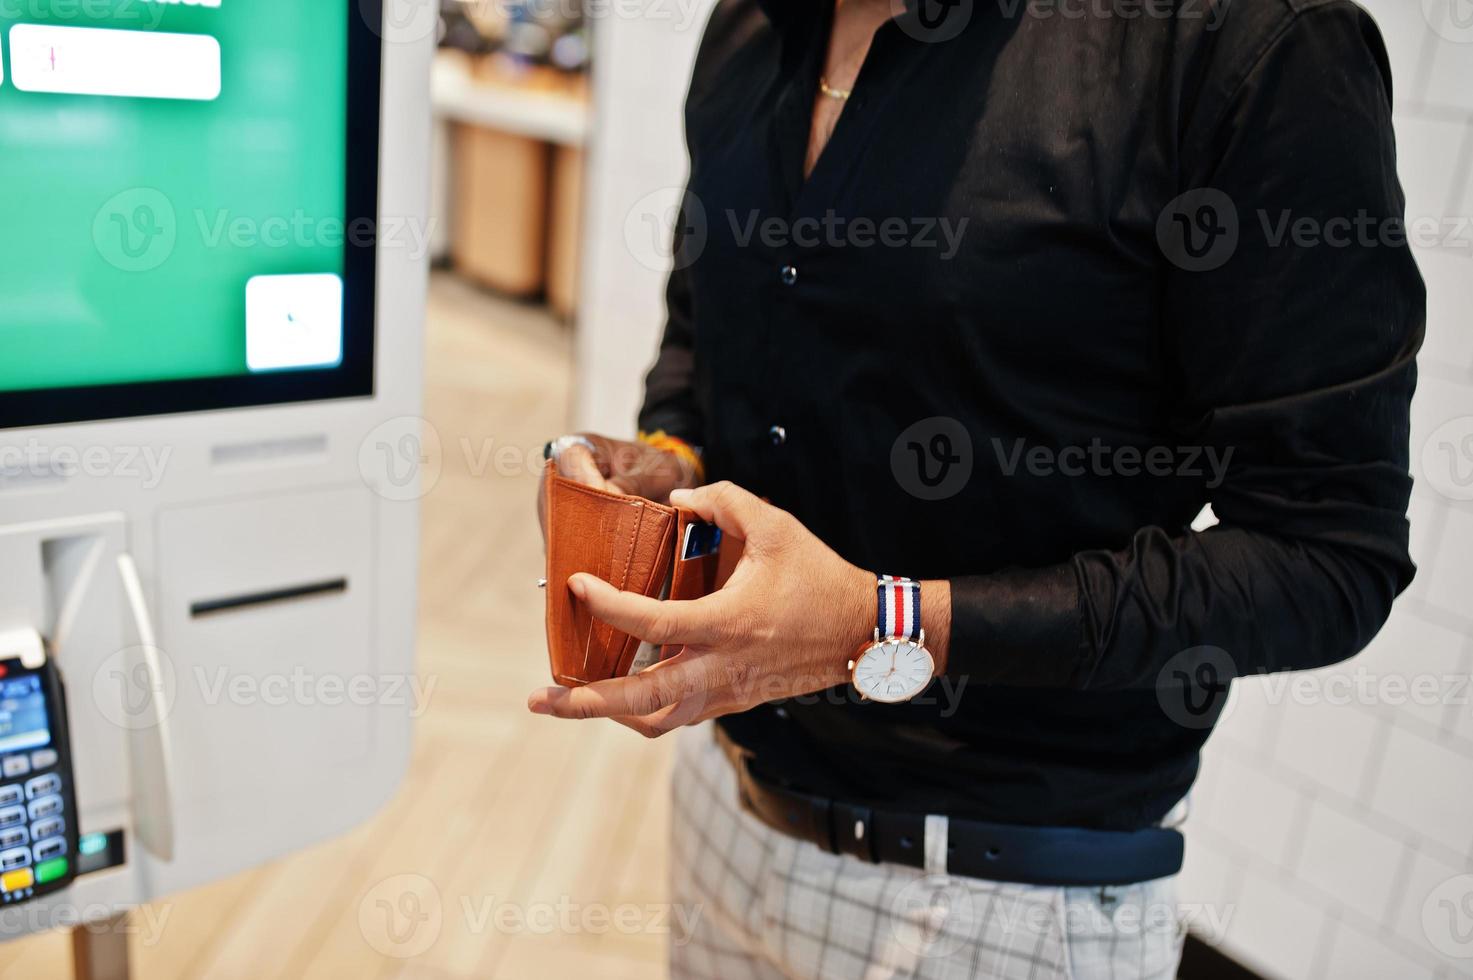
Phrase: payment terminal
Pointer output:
(38, 826)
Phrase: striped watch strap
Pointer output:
(900, 607)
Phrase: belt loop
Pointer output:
(936, 843)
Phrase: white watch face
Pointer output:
(893, 671)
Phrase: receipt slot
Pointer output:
(206, 557)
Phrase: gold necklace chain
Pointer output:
(842, 94)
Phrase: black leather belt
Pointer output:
(996, 852)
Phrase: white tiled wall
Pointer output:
(1329, 830)
(1320, 829)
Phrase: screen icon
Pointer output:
(294, 321)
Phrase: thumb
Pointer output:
(728, 506)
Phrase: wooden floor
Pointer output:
(519, 846)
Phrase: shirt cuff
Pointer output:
(1020, 627)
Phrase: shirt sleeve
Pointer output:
(1296, 354)
(670, 401)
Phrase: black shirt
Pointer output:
(1002, 350)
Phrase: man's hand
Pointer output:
(786, 624)
(620, 466)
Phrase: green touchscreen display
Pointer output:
(173, 184)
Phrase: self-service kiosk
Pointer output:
(211, 304)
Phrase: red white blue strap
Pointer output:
(900, 607)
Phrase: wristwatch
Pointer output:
(896, 666)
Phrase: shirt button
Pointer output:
(778, 435)
(789, 274)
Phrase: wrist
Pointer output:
(692, 469)
(858, 614)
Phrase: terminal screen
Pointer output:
(188, 190)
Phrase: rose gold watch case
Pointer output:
(879, 642)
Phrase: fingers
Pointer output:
(682, 714)
(726, 505)
(577, 463)
(658, 621)
(643, 694)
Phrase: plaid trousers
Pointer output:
(764, 905)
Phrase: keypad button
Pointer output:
(15, 765)
(43, 758)
(43, 786)
(11, 795)
(14, 881)
(47, 849)
(49, 827)
(51, 870)
(12, 815)
(15, 836)
(46, 806)
(15, 857)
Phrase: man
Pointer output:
(1003, 444)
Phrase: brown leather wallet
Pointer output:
(636, 545)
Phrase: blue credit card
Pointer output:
(701, 539)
